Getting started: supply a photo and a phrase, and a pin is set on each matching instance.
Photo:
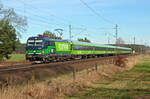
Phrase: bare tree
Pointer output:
(14, 19)
(120, 41)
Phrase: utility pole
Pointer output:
(70, 32)
(141, 46)
(145, 48)
(134, 46)
(134, 43)
(134, 40)
(116, 38)
(116, 33)
(108, 40)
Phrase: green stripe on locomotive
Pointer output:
(30, 51)
(49, 49)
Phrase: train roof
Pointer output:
(78, 42)
(100, 45)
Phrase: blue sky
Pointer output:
(132, 17)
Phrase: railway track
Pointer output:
(53, 64)
(21, 74)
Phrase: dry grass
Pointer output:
(133, 84)
(65, 85)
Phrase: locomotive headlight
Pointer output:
(42, 51)
(52, 50)
(30, 56)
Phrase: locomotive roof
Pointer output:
(47, 38)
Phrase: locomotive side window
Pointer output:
(46, 44)
(51, 43)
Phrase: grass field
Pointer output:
(127, 85)
(16, 58)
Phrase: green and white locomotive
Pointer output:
(44, 49)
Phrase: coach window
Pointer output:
(82, 47)
(91, 48)
(107, 49)
(98, 48)
(94, 49)
(76, 47)
(112, 49)
(104, 48)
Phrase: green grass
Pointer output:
(16, 58)
(125, 85)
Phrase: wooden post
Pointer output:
(96, 66)
(74, 74)
(87, 71)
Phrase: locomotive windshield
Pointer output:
(34, 43)
(38, 42)
(30, 43)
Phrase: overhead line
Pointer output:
(68, 21)
(42, 18)
(45, 11)
(97, 14)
